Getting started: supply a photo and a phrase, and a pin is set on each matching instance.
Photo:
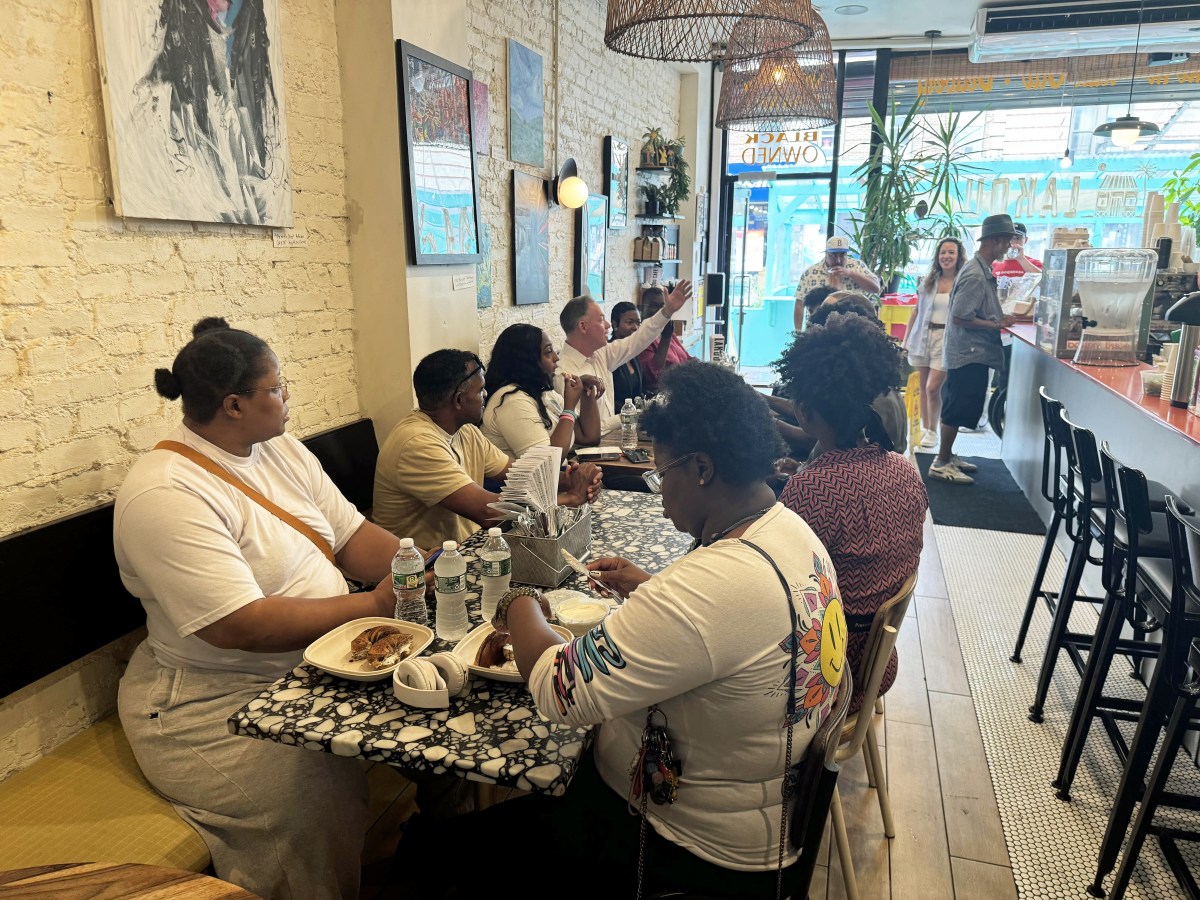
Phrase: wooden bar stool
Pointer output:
(1172, 698)
(1133, 537)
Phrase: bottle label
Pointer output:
(409, 582)
(451, 584)
(497, 567)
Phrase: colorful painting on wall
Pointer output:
(483, 269)
(526, 106)
(531, 240)
(439, 151)
(479, 118)
(616, 167)
(591, 231)
(193, 105)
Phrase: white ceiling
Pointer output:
(902, 23)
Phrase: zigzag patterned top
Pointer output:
(868, 508)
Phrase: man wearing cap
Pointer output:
(838, 271)
(971, 346)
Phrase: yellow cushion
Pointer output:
(87, 801)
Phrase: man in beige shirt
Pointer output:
(429, 477)
(588, 351)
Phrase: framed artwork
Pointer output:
(531, 240)
(526, 106)
(591, 230)
(479, 118)
(483, 271)
(443, 207)
(616, 165)
(193, 106)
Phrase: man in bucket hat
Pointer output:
(972, 346)
(838, 271)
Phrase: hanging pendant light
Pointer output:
(787, 89)
(698, 30)
(1126, 130)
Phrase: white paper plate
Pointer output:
(331, 652)
(468, 648)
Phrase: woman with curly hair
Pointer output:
(866, 503)
(719, 644)
(926, 328)
(523, 409)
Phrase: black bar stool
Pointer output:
(1084, 519)
(1172, 697)
(1132, 536)
(1053, 491)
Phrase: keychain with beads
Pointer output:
(655, 770)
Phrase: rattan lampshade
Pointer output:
(786, 89)
(696, 30)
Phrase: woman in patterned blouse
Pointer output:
(866, 503)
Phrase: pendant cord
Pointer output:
(1136, 45)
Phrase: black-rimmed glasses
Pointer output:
(653, 478)
(276, 389)
(470, 375)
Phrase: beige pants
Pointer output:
(282, 822)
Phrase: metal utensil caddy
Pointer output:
(538, 561)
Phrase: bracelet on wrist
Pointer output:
(567, 414)
(501, 614)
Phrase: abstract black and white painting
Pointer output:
(193, 101)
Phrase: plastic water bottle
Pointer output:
(408, 583)
(628, 425)
(496, 557)
(450, 576)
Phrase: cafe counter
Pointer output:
(1145, 432)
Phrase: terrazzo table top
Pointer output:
(495, 733)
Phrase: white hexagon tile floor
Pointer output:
(1052, 844)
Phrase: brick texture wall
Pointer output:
(600, 93)
(90, 305)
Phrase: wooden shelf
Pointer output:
(655, 262)
(653, 169)
(664, 219)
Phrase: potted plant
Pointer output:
(678, 189)
(652, 149)
(655, 199)
(1183, 187)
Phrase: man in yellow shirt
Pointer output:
(429, 477)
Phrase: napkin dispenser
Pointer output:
(539, 560)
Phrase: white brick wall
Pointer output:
(601, 93)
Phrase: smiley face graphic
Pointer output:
(833, 643)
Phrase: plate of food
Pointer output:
(487, 654)
(367, 649)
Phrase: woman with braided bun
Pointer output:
(865, 502)
(233, 594)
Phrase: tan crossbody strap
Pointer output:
(229, 478)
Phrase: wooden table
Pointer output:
(623, 466)
(494, 735)
(77, 881)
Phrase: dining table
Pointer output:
(621, 466)
(494, 734)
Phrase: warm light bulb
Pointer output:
(1067, 160)
(777, 75)
(1125, 137)
(572, 192)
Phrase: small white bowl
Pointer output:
(581, 616)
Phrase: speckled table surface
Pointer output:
(494, 734)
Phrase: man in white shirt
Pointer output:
(587, 350)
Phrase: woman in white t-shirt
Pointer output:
(720, 644)
(523, 409)
(927, 328)
(232, 596)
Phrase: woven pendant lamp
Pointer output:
(695, 30)
(787, 89)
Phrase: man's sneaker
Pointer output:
(962, 465)
(949, 472)
(928, 442)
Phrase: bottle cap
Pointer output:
(406, 543)
(449, 545)
(493, 532)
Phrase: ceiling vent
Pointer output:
(1083, 28)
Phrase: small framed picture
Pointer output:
(616, 187)
(591, 231)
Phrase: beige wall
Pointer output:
(91, 304)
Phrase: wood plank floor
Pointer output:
(949, 842)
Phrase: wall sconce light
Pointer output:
(568, 189)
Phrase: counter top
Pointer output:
(1126, 383)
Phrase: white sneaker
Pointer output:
(949, 472)
(928, 442)
(962, 465)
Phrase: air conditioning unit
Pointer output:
(1084, 28)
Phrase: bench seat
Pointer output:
(87, 800)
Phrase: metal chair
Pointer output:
(1172, 698)
(858, 734)
(1132, 536)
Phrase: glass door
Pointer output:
(778, 231)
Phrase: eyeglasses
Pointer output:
(276, 389)
(470, 375)
(653, 478)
